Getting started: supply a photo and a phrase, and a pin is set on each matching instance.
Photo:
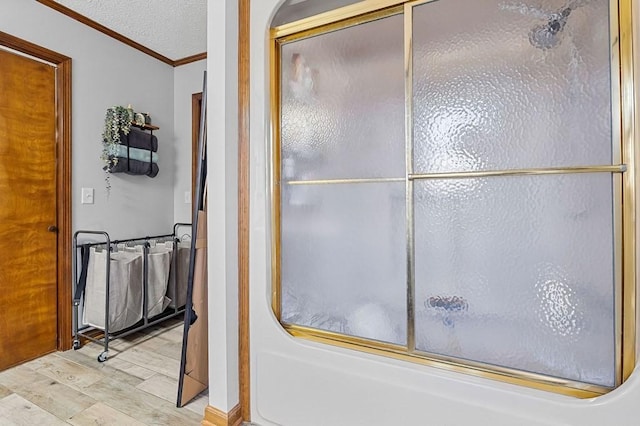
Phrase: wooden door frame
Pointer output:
(63, 177)
(244, 73)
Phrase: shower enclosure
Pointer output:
(448, 179)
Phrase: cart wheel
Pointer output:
(103, 356)
(76, 345)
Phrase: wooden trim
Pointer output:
(97, 26)
(196, 111)
(190, 59)
(63, 176)
(145, 126)
(243, 207)
(215, 417)
(63, 179)
(34, 50)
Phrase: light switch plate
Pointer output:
(87, 195)
(187, 197)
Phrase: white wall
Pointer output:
(187, 81)
(295, 382)
(222, 174)
(106, 72)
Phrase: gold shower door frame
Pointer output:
(624, 196)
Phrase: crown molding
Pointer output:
(190, 59)
(121, 38)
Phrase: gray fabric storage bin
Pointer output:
(179, 284)
(125, 292)
(159, 265)
(158, 278)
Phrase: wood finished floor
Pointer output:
(137, 386)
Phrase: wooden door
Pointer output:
(28, 259)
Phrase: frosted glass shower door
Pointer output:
(448, 185)
(342, 182)
(530, 261)
(514, 257)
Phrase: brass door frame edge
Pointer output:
(409, 199)
(617, 157)
(477, 369)
(322, 28)
(301, 330)
(621, 168)
(333, 17)
(630, 154)
(274, 175)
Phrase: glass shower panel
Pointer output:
(518, 272)
(342, 103)
(500, 84)
(343, 254)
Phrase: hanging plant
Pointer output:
(117, 119)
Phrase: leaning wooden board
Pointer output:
(194, 372)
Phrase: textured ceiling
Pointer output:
(174, 28)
